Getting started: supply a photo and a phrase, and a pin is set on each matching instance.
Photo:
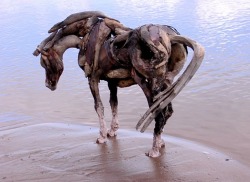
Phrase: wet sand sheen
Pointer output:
(63, 152)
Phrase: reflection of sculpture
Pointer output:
(150, 56)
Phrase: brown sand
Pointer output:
(62, 152)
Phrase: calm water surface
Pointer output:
(213, 109)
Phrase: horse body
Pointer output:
(144, 56)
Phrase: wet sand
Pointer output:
(67, 152)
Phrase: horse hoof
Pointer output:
(153, 153)
(111, 133)
(101, 140)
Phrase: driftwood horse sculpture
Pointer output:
(150, 56)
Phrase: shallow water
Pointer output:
(213, 109)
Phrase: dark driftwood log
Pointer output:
(165, 97)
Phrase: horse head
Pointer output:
(51, 59)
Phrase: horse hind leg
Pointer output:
(93, 83)
(114, 108)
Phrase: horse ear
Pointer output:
(40, 47)
(36, 52)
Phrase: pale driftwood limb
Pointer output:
(165, 40)
(66, 42)
(165, 97)
(119, 73)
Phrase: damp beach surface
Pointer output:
(66, 152)
(50, 136)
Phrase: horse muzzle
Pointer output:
(50, 85)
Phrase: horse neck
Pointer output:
(70, 41)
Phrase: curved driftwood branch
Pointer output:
(76, 17)
(164, 98)
(40, 47)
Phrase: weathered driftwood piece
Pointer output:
(119, 73)
(105, 32)
(77, 17)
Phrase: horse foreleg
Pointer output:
(160, 122)
(93, 83)
(114, 104)
(157, 141)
